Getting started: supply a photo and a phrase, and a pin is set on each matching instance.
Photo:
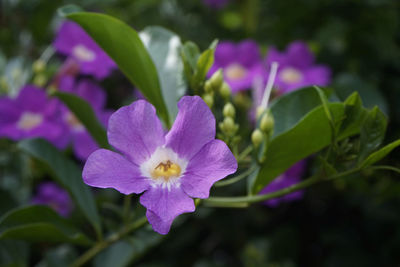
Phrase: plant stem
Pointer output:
(101, 245)
(224, 201)
(127, 207)
(245, 152)
(235, 178)
(384, 167)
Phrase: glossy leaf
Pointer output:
(123, 45)
(372, 133)
(67, 173)
(85, 114)
(380, 154)
(290, 108)
(204, 63)
(126, 251)
(309, 136)
(164, 47)
(39, 224)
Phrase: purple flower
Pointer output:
(217, 4)
(50, 194)
(241, 64)
(75, 43)
(82, 143)
(297, 68)
(31, 114)
(170, 169)
(290, 177)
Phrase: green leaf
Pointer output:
(164, 47)
(290, 108)
(126, 251)
(204, 63)
(67, 173)
(39, 224)
(372, 133)
(354, 112)
(311, 134)
(85, 114)
(123, 45)
(190, 53)
(380, 154)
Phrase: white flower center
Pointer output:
(73, 122)
(29, 120)
(164, 168)
(235, 71)
(82, 53)
(290, 75)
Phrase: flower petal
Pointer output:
(136, 131)
(225, 53)
(193, 128)
(83, 144)
(107, 169)
(299, 55)
(248, 53)
(214, 162)
(164, 204)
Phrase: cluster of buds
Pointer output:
(39, 69)
(228, 126)
(265, 127)
(214, 85)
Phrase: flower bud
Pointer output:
(39, 66)
(260, 110)
(217, 79)
(40, 80)
(267, 123)
(208, 87)
(228, 126)
(225, 90)
(209, 99)
(229, 110)
(257, 137)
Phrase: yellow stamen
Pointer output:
(166, 170)
(291, 75)
(235, 72)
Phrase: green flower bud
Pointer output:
(209, 99)
(208, 87)
(40, 80)
(267, 123)
(229, 110)
(225, 90)
(39, 66)
(228, 126)
(217, 79)
(260, 110)
(3, 83)
(257, 137)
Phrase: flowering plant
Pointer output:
(227, 127)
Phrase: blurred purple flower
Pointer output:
(170, 169)
(297, 68)
(50, 194)
(217, 4)
(83, 144)
(290, 177)
(74, 42)
(241, 64)
(31, 114)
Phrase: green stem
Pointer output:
(384, 167)
(235, 178)
(127, 207)
(101, 245)
(224, 201)
(245, 152)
